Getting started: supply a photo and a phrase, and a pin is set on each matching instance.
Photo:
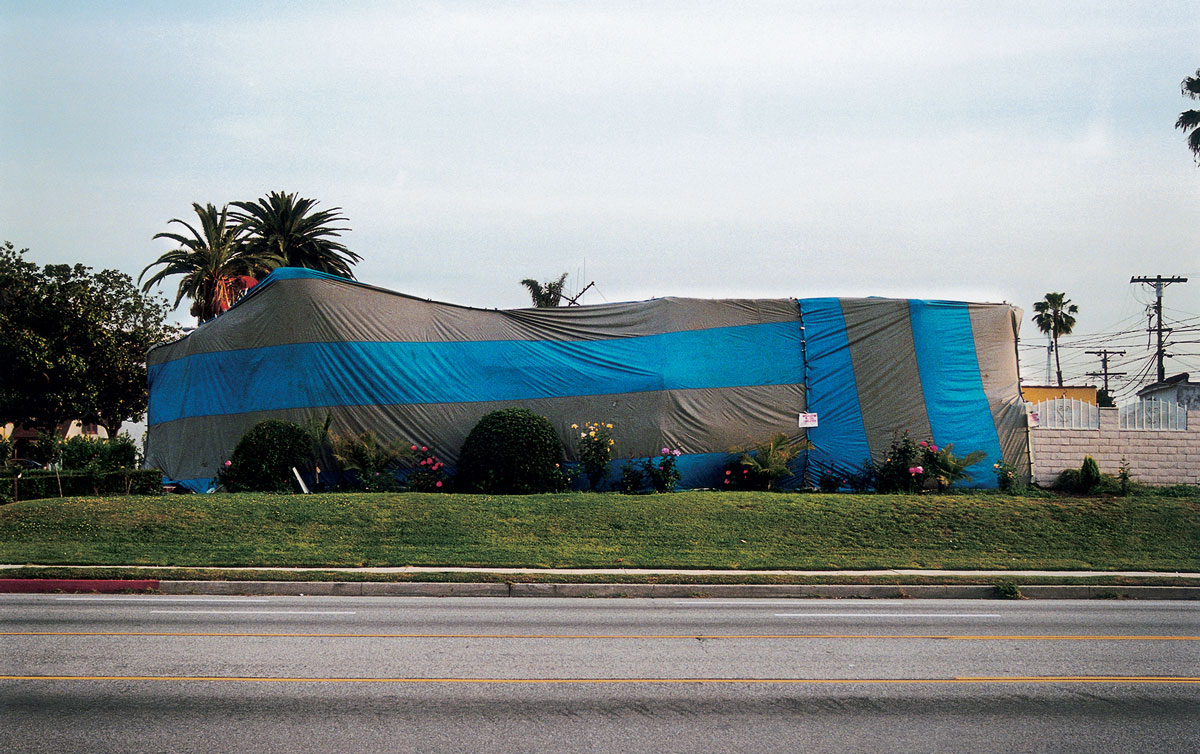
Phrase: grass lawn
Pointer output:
(686, 529)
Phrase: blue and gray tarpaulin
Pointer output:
(699, 375)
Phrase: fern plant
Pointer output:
(371, 458)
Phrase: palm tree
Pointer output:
(1189, 120)
(287, 227)
(1054, 317)
(212, 260)
(545, 295)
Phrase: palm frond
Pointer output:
(1190, 87)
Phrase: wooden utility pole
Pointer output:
(574, 300)
(1159, 282)
(1104, 353)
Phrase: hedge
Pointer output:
(42, 483)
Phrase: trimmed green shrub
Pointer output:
(81, 451)
(264, 457)
(512, 451)
(1089, 474)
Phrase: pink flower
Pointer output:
(726, 481)
(676, 453)
(933, 448)
(424, 449)
(412, 447)
(229, 463)
(923, 444)
(665, 451)
(439, 484)
(727, 473)
(914, 470)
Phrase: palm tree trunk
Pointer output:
(1057, 363)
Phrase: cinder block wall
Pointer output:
(1155, 457)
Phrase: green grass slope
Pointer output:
(686, 529)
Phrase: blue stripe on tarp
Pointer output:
(309, 375)
(840, 437)
(200, 486)
(955, 400)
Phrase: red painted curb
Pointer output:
(102, 586)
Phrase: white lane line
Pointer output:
(238, 600)
(261, 612)
(740, 603)
(887, 615)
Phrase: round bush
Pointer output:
(512, 451)
(264, 457)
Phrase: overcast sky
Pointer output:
(959, 150)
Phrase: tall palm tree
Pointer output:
(1055, 317)
(286, 226)
(1189, 120)
(212, 260)
(545, 295)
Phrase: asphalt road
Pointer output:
(306, 674)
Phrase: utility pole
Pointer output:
(1104, 353)
(1159, 282)
(574, 300)
(1049, 359)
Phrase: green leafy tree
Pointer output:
(213, 261)
(546, 295)
(1055, 316)
(1189, 120)
(290, 228)
(73, 343)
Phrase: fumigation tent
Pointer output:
(699, 375)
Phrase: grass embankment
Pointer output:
(686, 529)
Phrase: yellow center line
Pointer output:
(945, 637)
(658, 681)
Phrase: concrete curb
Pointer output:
(834, 591)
